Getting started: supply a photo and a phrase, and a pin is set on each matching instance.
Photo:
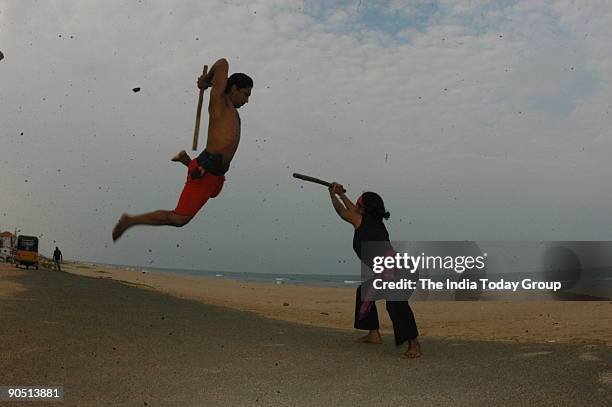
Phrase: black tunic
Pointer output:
(371, 230)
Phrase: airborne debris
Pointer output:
(136, 90)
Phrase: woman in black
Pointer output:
(367, 219)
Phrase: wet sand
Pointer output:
(529, 321)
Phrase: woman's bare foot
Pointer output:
(373, 337)
(414, 349)
(121, 227)
(182, 157)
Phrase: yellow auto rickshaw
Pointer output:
(27, 251)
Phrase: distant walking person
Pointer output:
(57, 259)
(367, 218)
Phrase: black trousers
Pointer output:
(404, 324)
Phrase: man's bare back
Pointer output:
(224, 131)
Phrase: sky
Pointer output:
(474, 120)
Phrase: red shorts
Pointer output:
(197, 191)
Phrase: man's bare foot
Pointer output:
(182, 157)
(120, 227)
(373, 338)
(414, 349)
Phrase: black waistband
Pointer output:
(212, 163)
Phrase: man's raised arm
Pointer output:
(217, 78)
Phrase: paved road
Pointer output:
(109, 343)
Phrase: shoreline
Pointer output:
(544, 322)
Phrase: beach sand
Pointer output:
(112, 343)
(9, 288)
(528, 321)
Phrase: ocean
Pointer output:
(593, 283)
(317, 280)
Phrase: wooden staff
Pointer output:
(311, 179)
(196, 131)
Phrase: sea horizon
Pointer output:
(318, 280)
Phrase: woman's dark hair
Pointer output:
(374, 206)
(239, 79)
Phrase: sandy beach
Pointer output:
(530, 321)
(109, 342)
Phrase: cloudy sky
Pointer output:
(484, 120)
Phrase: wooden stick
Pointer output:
(196, 131)
(311, 179)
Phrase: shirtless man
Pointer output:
(205, 174)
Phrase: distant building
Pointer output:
(7, 239)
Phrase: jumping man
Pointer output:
(206, 173)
